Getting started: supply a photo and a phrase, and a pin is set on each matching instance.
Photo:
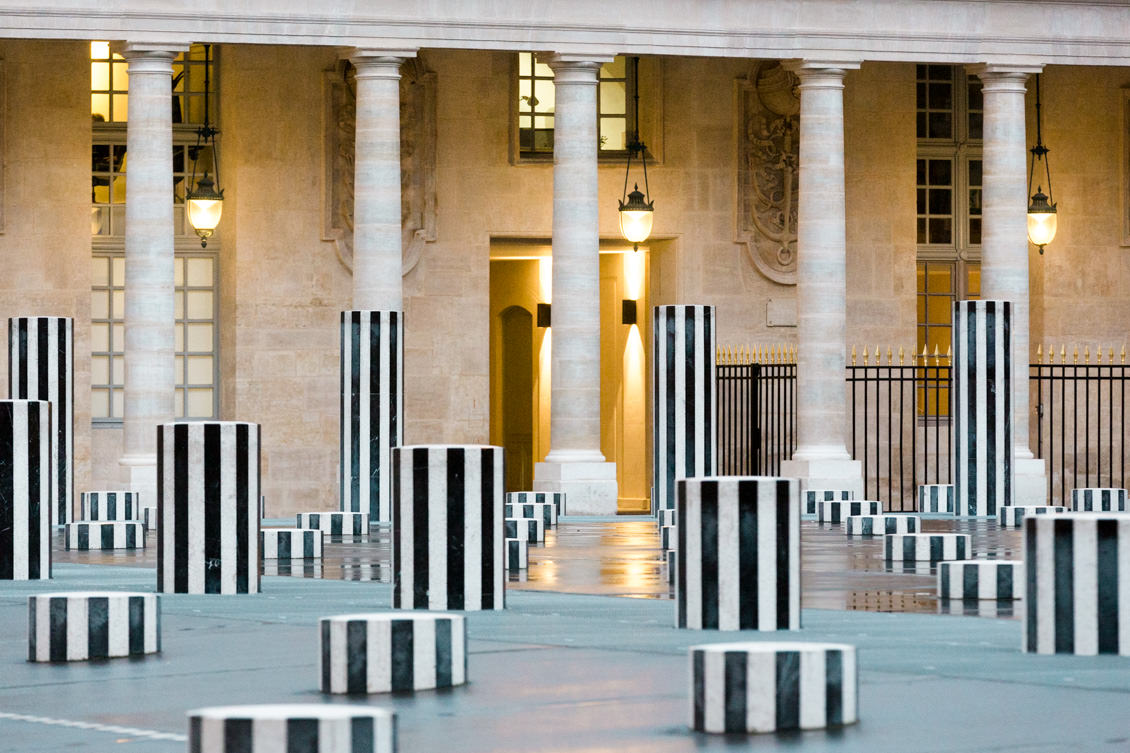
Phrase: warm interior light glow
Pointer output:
(545, 279)
(204, 214)
(633, 275)
(1041, 227)
(635, 224)
(99, 50)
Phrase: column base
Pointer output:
(1029, 481)
(142, 471)
(590, 488)
(829, 473)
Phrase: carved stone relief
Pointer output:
(417, 160)
(768, 157)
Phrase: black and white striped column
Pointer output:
(447, 528)
(387, 652)
(86, 535)
(1000, 580)
(290, 543)
(880, 525)
(668, 537)
(517, 554)
(927, 547)
(813, 497)
(149, 518)
(208, 507)
(672, 558)
(25, 489)
(530, 529)
(685, 412)
(543, 510)
(1077, 568)
(81, 625)
(835, 511)
(937, 498)
(773, 686)
(982, 406)
(1013, 517)
(666, 517)
(557, 499)
(739, 553)
(41, 367)
(306, 727)
(335, 523)
(372, 408)
(109, 505)
(1098, 500)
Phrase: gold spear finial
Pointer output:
(1039, 353)
(866, 355)
(876, 355)
(1063, 354)
(937, 355)
(888, 355)
(1099, 355)
(853, 355)
(1075, 355)
(1086, 354)
(1122, 355)
(902, 355)
(949, 354)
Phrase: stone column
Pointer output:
(150, 379)
(575, 464)
(1004, 246)
(821, 459)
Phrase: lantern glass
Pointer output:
(635, 224)
(204, 214)
(1041, 227)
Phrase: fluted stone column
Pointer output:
(575, 464)
(150, 333)
(821, 459)
(1004, 246)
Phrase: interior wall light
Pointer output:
(1042, 220)
(637, 210)
(204, 199)
(543, 315)
(628, 311)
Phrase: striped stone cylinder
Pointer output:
(517, 554)
(1013, 517)
(308, 727)
(879, 525)
(672, 565)
(208, 507)
(937, 498)
(290, 544)
(447, 527)
(81, 625)
(530, 529)
(41, 367)
(685, 414)
(25, 489)
(835, 511)
(666, 517)
(109, 505)
(668, 537)
(335, 523)
(926, 547)
(557, 499)
(739, 553)
(104, 534)
(372, 408)
(813, 497)
(387, 652)
(773, 686)
(1077, 571)
(149, 518)
(1000, 580)
(982, 406)
(544, 511)
(1098, 500)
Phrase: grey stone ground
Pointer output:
(554, 672)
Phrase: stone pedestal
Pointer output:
(1098, 500)
(843, 473)
(927, 547)
(290, 544)
(25, 489)
(109, 505)
(41, 357)
(995, 580)
(207, 505)
(77, 626)
(306, 727)
(684, 406)
(590, 487)
(813, 497)
(104, 534)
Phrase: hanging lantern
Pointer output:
(637, 210)
(205, 202)
(1042, 220)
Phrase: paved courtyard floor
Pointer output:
(570, 665)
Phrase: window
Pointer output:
(536, 103)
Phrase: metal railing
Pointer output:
(756, 392)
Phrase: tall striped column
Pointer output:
(41, 366)
(447, 527)
(25, 490)
(207, 504)
(982, 406)
(372, 406)
(685, 410)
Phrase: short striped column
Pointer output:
(335, 523)
(666, 517)
(1077, 569)
(530, 529)
(813, 497)
(1000, 580)
(672, 557)
(927, 547)
(109, 505)
(773, 686)
(836, 511)
(739, 553)
(25, 489)
(307, 727)
(1098, 500)
(517, 554)
(149, 518)
(1013, 517)
(207, 505)
(41, 367)
(81, 625)
(290, 543)
(937, 498)
(104, 534)
(386, 652)
(557, 499)
(372, 408)
(982, 406)
(668, 537)
(685, 414)
(880, 525)
(447, 527)
(544, 511)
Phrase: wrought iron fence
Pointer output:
(756, 392)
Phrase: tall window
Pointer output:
(536, 104)
(197, 272)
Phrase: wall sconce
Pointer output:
(543, 315)
(628, 311)
(1041, 212)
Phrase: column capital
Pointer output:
(574, 67)
(159, 54)
(1004, 76)
(821, 73)
(372, 62)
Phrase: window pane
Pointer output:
(200, 369)
(940, 230)
(615, 69)
(178, 370)
(974, 231)
(938, 310)
(121, 108)
(973, 280)
(940, 199)
(178, 343)
(99, 337)
(941, 96)
(178, 272)
(118, 271)
(178, 306)
(118, 304)
(117, 336)
(921, 230)
(940, 278)
(525, 63)
(178, 404)
(200, 272)
(117, 400)
(612, 98)
(940, 125)
(100, 271)
(199, 304)
(612, 134)
(99, 304)
(118, 369)
(199, 403)
(100, 370)
(199, 337)
(100, 403)
(121, 77)
(100, 107)
(941, 172)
